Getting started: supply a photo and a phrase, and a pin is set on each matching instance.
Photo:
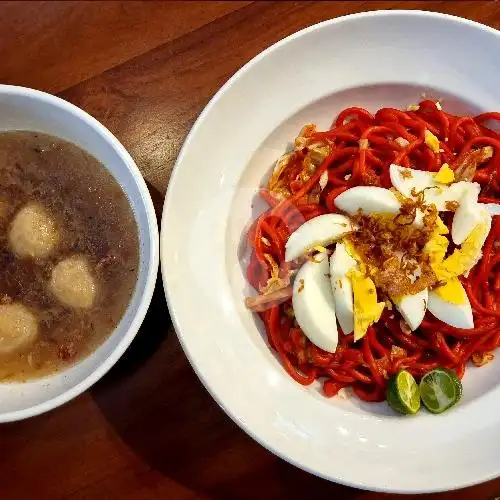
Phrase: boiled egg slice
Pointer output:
(468, 215)
(450, 304)
(442, 195)
(367, 199)
(314, 305)
(412, 308)
(464, 258)
(322, 230)
(435, 186)
(406, 180)
(340, 264)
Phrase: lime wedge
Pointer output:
(440, 389)
(403, 395)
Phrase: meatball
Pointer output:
(18, 327)
(73, 284)
(33, 233)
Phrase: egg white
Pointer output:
(412, 308)
(368, 199)
(457, 315)
(322, 230)
(467, 216)
(407, 179)
(442, 195)
(314, 304)
(340, 264)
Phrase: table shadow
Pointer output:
(151, 334)
(157, 406)
(166, 417)
(169, 420)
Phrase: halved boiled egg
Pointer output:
(450, 304)
(314, 305)
(412, 308)
(322, 230)
(368, 199)
(340, 264)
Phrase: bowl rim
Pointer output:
(151, 274)
(167, 208)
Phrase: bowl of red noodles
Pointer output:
(341, 240)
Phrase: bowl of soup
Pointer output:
(78, 251)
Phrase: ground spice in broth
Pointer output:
(93, 219)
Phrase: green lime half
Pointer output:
(440, 389)
(403, 395)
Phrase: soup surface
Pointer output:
(69, 254)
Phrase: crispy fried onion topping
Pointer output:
(276, 290)
(392, 248)
(467, 168)
(298, 166)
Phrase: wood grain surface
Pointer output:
(148, 429)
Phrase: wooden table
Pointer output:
(148, 429)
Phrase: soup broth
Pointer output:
(69, 254)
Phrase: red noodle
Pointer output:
(366, 365)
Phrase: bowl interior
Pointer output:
(373, 60)
(24, 109)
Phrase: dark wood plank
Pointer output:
(54, 45)
(149, 430)
(151, 102)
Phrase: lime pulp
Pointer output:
(403, 393)
(440, 389)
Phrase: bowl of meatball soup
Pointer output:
(78, 250)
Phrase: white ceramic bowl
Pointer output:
(373, 60)
(27, 109)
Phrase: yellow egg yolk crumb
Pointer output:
(437, 245)
(366, 308)
(445, 175)
(431, 141)
(320, 249)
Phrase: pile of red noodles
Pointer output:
(388, 346)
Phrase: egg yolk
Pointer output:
(431, 141)
(458, 263)
(437, 244)
(452, 291)
(366, 308)
(351, 251)
(463, 258)
(445, 175)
